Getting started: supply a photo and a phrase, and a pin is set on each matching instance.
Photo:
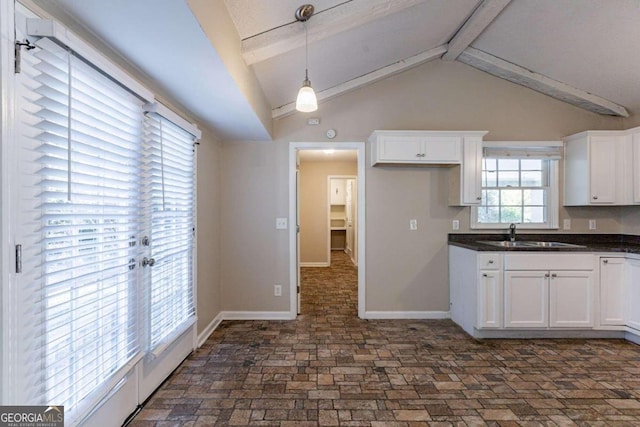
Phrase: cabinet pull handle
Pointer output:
(605, 261)
(479, 198)
(490, 261)
(484, 274)
(554, 275)
(595, 197)
(546, 275)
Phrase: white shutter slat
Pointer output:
(169, 165)
(89, 212)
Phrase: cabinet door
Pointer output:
(632, 312)
(338, 191)
(526, 296)
(635, 141)
(602, 161)
(490, 306)
(438, 149)
(402, 149)
(570, 299)
(612, 286)
(472, 171)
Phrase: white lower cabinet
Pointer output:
(612, 291)
(571, 299)
(543, 298)
(632, 310)
(490, 299)
(526, 294)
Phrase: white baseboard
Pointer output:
(258, 315)
(212, 326)
(407, 315)
(315, 264)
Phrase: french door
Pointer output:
(102, 302)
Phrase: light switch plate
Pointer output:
(592, 224)
(281, 223)
(456, 224)
(566, 224)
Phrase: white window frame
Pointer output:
(553, 207)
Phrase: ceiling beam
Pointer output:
(322, 25)
(543, 84)
(481, 18)
(367, 79)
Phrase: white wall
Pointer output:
(406, 271)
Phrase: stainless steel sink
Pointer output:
(555, 245)
(529, 244)
(506, 243)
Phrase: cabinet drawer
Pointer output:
(548, 261)
(490, 261)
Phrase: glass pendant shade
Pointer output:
(306, 101)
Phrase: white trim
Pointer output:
(7, 207)
(173, 117)
(212, 326)
(258, 315)
(315, 264)
(540, 83)
(479, 21)
(407, 315)
(523, 144)
(293, 149)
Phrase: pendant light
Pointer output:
(306, 101)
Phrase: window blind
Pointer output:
(86, 211)
(169, 168)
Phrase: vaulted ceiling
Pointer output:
(584, 52)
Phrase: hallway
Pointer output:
(330, 368)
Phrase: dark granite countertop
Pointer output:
(592, 242)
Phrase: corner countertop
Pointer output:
(592, 242)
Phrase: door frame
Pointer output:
(294, 147)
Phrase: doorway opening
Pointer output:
(327, 232)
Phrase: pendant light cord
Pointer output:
(306, 51)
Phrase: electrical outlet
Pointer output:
(281, 223)
(566, 224)
(456, 224)
(592, 224)
(413, 224)
(277, 291)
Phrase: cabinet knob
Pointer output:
(605, 261)
(484, 274)
(546, 275)
(490, 261)
(595, 197)
(554, 275)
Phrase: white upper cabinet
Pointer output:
(465, 180)
(418, 147)
(602, 168)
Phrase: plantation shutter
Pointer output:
(169, 168)
(81, 144)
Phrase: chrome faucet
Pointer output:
(512, 232)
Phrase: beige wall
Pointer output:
(405, 270)
(314, 226)
(208, 231)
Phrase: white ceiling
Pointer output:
(581, 51)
